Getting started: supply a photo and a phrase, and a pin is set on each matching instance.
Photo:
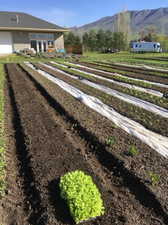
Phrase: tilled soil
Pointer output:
(144, 74)
(44, 152)
(149, 120)
(46, 149)
(154, 87)
(118, 169)
(139, 94)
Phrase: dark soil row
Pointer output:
(146, 74)
(150, 120)
(11, 205)
(47, 148)
(138, 83)
(45, 152)
(95, 130)
(139, 94)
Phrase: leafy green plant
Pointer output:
(82, 196)
(154, 178)
(133, 151)
(110, 141)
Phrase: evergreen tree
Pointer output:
(92, 40)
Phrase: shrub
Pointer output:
(82, 196)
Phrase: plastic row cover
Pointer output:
(154, 140)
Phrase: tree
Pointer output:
(163, 40)
(119, 41)
(92, 40)
(109, 41)
(72, 39)
(85, 40)
(101, 42)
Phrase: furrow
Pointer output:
(146, 90)
(154, 140)
(119, 75)
(133, 100)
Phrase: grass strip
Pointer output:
(2, 140)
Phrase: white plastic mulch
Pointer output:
(127, 98)
(143, 66)
(152, 139)
(130, 86)
(116, 74)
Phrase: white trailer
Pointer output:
(146, 47)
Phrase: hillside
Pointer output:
(138, 20)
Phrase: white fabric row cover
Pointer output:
(127, 98)
(130, 86)
(116, 74)
(152, 139)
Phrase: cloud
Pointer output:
(58, 16)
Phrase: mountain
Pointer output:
(135, 20)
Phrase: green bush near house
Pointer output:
(82, 196)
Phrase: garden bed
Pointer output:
(116, 76)
(147, 119)
(160, 101)
(98, 130)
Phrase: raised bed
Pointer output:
(160, 101)
(98, 130)
(106, 73)
(149, 120)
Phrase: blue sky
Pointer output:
(77, 12)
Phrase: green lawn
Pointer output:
(121, 57)
(127, 57)
(18, 59)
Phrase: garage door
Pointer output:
(5, 43)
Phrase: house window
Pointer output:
(33, 44)
(41, 36)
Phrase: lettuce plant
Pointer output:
(82, 196)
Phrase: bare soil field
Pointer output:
(50, 133)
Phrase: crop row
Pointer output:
(142, 83)
(148, 73)
(147, 119)
(133, 92)
(144, 162)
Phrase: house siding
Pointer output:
(20, 40)
(59, 41)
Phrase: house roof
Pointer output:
(24, 21)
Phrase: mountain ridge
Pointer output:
(138, 20)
